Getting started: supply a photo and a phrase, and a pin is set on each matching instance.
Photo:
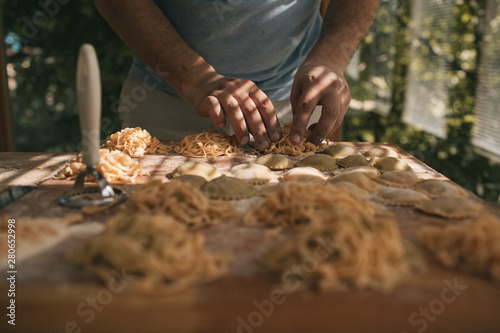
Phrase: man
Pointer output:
(230, 60)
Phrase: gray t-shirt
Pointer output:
(264, 41)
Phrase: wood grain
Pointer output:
(52, 295)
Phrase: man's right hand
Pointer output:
(247, 108)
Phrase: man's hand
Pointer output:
(247, 108)
(317, 83)
(320, 79)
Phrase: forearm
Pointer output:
(345, 24)
(151, 36)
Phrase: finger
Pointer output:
(267, 113)
(304, 109)
(233, 113)
(340, 118)
(337, 125)
(295, 94)
(326, 124)
(312, 126)
(255, 123)
(212, 108)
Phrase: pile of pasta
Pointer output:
(153, 239)
(471, 246)
(159, 252)
(136, 142)
(296, 204)
(115, 166)
(218, 143)
(286, 147)
(341, 243)
(208, 144)
(180, 200)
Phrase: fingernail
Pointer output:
(317, 140)
(244, 140)
(264, 145)
(296, 139)
(275, 136)
(221, 125)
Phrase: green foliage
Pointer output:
(43, 106)
(453, 156)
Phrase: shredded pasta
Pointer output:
(180, 200)
(115, 166)
(161, 255)
(286, 147)
(136, 142)
(472, 246)
(341, 243)
(208, 144)
(296, 204)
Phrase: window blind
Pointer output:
(429, 70)
(486, 134)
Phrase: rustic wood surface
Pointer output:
(54, 296)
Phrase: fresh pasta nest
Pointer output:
(208, 144)
(158, 251)
(136, 142)
(286, 147)
(293, 205)
(472, 246)
(180, 200)
(115, 166)
(353, 245)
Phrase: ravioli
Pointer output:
(275, 162)
(255, 174)
(398, 196)
(340, 151)
(321, 162)
(358, 179)
(353, 161)
(229, 188)
(451, 208)
(304, 175)
(436, 188)
(403, 179)
(201, 169)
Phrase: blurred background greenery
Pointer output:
(409, 59)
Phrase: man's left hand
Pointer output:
(318, 83)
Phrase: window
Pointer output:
(486, 135)
(427, 94)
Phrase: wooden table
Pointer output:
(54, 296)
